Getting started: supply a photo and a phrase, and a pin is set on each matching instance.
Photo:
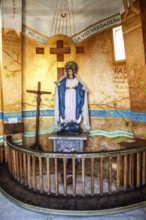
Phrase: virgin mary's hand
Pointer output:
(85, 89)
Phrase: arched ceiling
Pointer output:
(43, 15)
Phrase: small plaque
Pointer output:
(12, 120)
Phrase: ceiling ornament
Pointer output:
(63, 19)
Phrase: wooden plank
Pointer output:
(143, 168)
(101, 175)
(1, 155)
(24, 168)
(48, 176)
(130, 171)
(60, 56)
(34, 181)
(92, 176)
(14, 162)
(14, 128)
(28, 172)
(21, 167)
(83, 176)
(17, 167)
(9, 159)
(64, 176)
(60, 44)
(65, 50)
(41, 175)
(125, 172)
(12, 156)
(56, 176)
(110, 174)
(1, 159)
(118, 172)
(74, 176)
(138, 170)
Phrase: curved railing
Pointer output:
(89, 173)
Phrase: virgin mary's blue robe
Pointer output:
(80, 96)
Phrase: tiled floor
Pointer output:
(10, 211)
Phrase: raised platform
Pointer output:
(79, 205)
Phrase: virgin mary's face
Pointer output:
(70, 74)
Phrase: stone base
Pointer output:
(69, 142)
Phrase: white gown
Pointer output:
(70, 100)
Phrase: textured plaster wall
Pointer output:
(136, 68)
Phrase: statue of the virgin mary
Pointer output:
(71, 104)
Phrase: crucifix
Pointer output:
(39, 93)
(60, 51)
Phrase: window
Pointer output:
(119, 48)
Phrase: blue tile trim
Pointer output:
(110, 113)
(29, 114)
(135, 116)
(17, 115)
(1, 115)
(138, 116)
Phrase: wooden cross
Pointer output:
(39, 93)
(60, 51)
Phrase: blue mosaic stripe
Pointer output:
(17, 115)
(110, 113)
(1, 115)
(135, 116)
(138, 116)
(92, 113)
(29, 114)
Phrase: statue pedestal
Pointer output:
(68, 142)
